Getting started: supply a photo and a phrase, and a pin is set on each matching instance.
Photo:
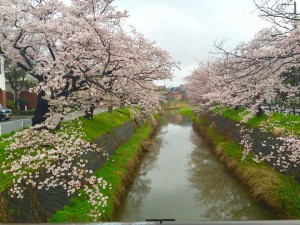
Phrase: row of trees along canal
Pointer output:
(253, 72)
(82, 56)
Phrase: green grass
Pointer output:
(115, 172)
(236, 115)
(256, 121)
(103, 122)
(6, 179)
(187, 111)
(289, 123)
(279, 191)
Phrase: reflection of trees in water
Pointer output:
(150, 159)
(141, 186)
(222, 197)
(173, 117)
(137, 194)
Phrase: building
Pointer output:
(176, 93)
(7, 93)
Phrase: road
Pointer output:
(14, 118)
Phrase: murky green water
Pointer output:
(181, 179)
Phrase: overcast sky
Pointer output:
(187, 28)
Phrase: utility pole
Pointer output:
(295, 26)
(295, 14)
(2, 82)
(296, 73)
(295, 8)
(295, 11)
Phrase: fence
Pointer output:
(14, 125)
(291, 110)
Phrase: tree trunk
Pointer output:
(41, 109)
(89, 113)
(16, 96)
(259, 112)
(92, 108)
(110, 109)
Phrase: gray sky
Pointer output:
(187, 28)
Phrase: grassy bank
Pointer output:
(103, 122)
(117, 172)
(100, 124)
(187, 111)
(280, 192)
(6, 179)
(175, 104)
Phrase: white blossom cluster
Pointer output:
(95, 197)
(246, 141)
(48, 159)
(284, 154)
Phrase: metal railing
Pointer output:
(157, 222)
(291, 110)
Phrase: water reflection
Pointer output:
(173, 117)
(142, 184)
(222, 195)
(181, 179)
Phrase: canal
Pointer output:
(181, 179)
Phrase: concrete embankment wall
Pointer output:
(277, 190)
(230, 130)
(39, 205)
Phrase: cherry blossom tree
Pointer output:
(281, 13)
(252, 72)
(82, 55)
(71, 48)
